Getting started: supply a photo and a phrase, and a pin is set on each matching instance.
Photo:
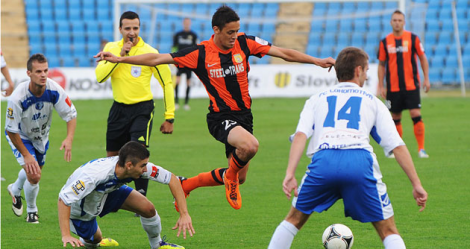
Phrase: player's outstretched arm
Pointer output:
(64, 216)
(296, 150)
(292, 55)
(403, 158)
(150, 59)
(184, 223)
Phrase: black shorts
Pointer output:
(220, 125)
(129, 123)
(186, 71)
(399, 101)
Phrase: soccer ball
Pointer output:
(337, 236)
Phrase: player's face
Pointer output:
(187, 24)
(39, 73)
(363, 74)
(139, 168)
(130, 29)
(228, 35)
(397, 22)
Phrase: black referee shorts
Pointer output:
(186, 71)
(129, 123)
(220, 125)
(399, 101)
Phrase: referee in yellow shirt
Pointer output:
(131, 116)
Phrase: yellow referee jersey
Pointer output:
(131, 83)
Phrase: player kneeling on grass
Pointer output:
(98, 188)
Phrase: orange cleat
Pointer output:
(232, 192)
(181, 178)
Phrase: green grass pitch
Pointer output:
(191, 150)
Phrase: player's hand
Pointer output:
(426, 85)
(289, 184)
(421, 196)
(106, 56)
(166, 127)
(184, 224)
(73, 241)
(326, 62)
(7, 92)
(31, 166)
(67, 145)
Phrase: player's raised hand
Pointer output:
(289, 184)
(184, 224)
(106, 56)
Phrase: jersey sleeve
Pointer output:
(13, 116)
(187, 57)
(306, 121)
(163, 74)
(381, 56)
(384, 131)
(418, 46)
(157, 174)
(258, 47)
(77, 189)
(64, 105)
(105, 69)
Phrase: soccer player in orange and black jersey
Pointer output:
(398, 65)
(221, 64)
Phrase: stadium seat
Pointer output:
(430, 38)
(268, 28)
(375, 26)
(445, 38)
(433, 25)
(53, 61)
(357, 39)
(343, 40)
(437, 61)
(345, 25)
(451, 61)
(377, 6)
(445, 14)
(435, 75)
(331, 26)
(271, 10)
(32, 15)
(360, 25)
(201, 9)
(48, 28)
(447, 25)
(68, 61)
(449, 76)
(329, 38)
(46, 14)
(363, 6)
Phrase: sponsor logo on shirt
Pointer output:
(400, 49)
(78, 187)
(35, 129)
(68, 101)
(154, 173)
(10, 113)
(230, 71)
(136, 71)
(39, 116)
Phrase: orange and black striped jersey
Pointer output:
(399, 53)
(224, 73)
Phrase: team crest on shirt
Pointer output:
(136, 71)
(154, 173)
(39, 105)
(238, 58)
(78, 187)
(10, 113)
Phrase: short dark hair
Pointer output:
(128, 15)
(224, 15)
(347, 61)
(398, 12)
(134, 152)
(35, 57)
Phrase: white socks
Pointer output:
(394, 241)
(30, 194)
(18, 185)
(153, 227)
(283, 236)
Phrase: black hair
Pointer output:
(35, 57)
(134, 152)
(131, 15)
(224, 15)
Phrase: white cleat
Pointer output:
(422, 154)
(17, 205)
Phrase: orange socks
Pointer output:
(399, 127)
(205, 179)
(419, 132)
(235, 165)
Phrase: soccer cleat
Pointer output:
(177, 107)
(108, 242)
(232, 192)
(166, 245)
(390, 155)
(187, 107)
(422, 154)
(32, 218)
(17, 205)
(182, 179)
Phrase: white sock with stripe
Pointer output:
(283, 236)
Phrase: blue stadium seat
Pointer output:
(89, 14)
(445, 13)
(435, 75)
(430, 38)
(201, 9)
(445, 38)
(343, 40)
(451, 61)
(375, 26)
(447, 25)
(84, 61)
(48, 28)
(349, 7)
(68, 61)
(327, 51)
(345, 25)
(377, 6)
(391, 5)
(357, 39)
(92, 28)
(317, 26)
(319, 9)
(331, 26)
(32, 15)
(90, 4)
(360, 25)
(363, 6)
(46, 14)
(257, 10)
(464, 26)
(31, 3)
(329, 38)
(449, 76)
(53, 61)
(437, 61)
(433, 25)
(78, 49)
(268, 28)
(35, 48)
(271, 10)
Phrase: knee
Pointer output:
(149, 211)
(34, 179)
(250, 148)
